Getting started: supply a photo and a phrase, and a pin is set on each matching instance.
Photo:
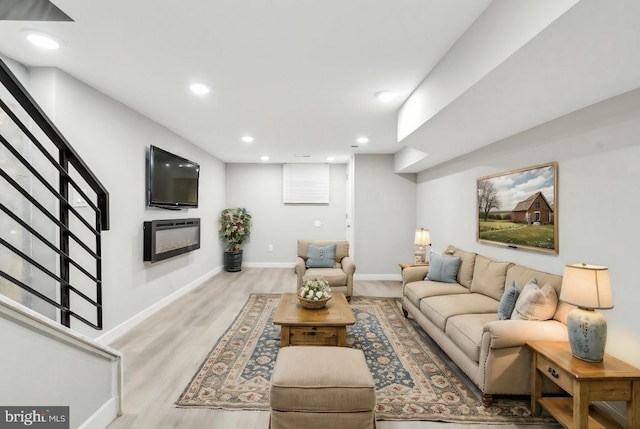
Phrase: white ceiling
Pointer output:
(297, 75)
(576, 54)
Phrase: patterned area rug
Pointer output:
(413, 381)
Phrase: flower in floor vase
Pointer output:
(234, 225)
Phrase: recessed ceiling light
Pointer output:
(385, 96)
(362, 140)
(331, 158)
(199, 88)
(247, 139)
(264, 158)
(43, 41)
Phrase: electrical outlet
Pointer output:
(270, 248)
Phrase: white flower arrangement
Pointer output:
(315, 290)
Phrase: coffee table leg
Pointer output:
(342, 336)
(284, 336)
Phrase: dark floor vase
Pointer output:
(233, 261)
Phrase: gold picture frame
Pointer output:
(519, 208)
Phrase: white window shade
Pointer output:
(305, 183)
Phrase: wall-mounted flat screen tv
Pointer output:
(172, 180)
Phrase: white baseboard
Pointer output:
(115, 333)
(107, 413)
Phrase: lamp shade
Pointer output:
(586, 286)
(422, 237)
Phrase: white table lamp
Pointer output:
(588, 287)
(421, 240)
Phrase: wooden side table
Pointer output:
(403, 266)
(422, 264)
(609, 380)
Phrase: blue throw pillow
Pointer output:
(321, 257)
(508, 301)
(443, 269)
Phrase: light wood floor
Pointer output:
(162, 353)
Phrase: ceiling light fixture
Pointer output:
(199, 88)
(247, 139)
(43, 41)
(362, 140)
(385, 96)
(264, 158)
(331, 158)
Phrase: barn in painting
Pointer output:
(533, 210)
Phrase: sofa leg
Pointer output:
(405, 312)
(487, 399)
(348, 298)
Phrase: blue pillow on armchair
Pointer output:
(321, 257)
(443, 269)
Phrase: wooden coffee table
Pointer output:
(321, 327)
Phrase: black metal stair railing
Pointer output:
(68, 234)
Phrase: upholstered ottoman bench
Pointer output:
(314, 387)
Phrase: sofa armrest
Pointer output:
(414, 274)
(348, 266)
(300, 269)
(513, 333)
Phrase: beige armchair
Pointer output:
(340, 276)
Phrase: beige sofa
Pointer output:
(339, 276)
(462, 318)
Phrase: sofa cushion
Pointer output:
(415, 291)
(321, 256)
(521, 275)
(468, 260)
(335, 276)
(508, 301)
(535, 302)
(440, 308)
(442, 269)
(562, 311)
(466, 332)
(489, 277)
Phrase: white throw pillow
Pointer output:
(535, 302)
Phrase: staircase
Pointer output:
(53, 211)
(49, 238)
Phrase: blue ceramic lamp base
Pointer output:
(587, 334)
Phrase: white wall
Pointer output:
(258, 188)
(598, 153)
(10, 262)
(384, 217)
(112, 140)
(41, 369)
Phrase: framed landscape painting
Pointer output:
(519, 208)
